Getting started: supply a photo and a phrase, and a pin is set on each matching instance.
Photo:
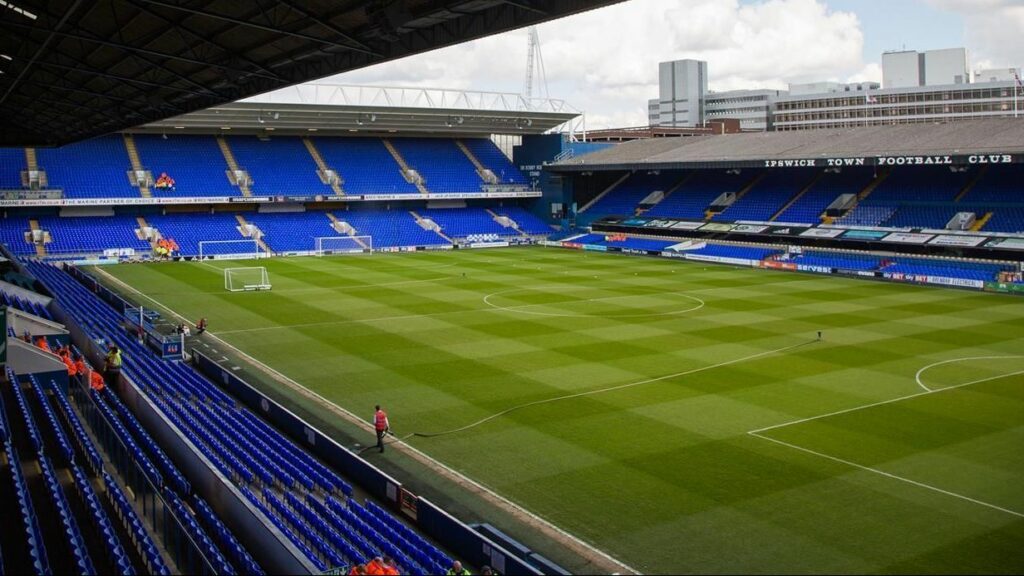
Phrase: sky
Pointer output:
(605, 62)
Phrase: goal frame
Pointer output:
(263, 284)
(319, 250)
(255, 254)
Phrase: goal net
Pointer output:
(243, 279)
(230, 249)
(343, 245)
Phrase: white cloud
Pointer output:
(606, 61)
(994, 30)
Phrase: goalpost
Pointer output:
(343, 245)
(246, 279)
(230, 249)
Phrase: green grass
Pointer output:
(665, 475)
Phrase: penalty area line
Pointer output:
(889, 475)
(759, 434)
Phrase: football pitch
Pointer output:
(680, 417)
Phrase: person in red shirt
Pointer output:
(42, 343)
(381, 425)
(357, 570)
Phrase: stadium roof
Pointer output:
(342, 109)
(990, 136)
(72, 69)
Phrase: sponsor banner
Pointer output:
(1006, 243)
(7, 201)
(907, 238)
(1004, 287)
(489, 245)
(864, 234)
(595, 247)
(638, 252)
(866, 273)
(968, 241)
(716, 227)
(687, 225)
(635, 222)
(821, 233)
(721, 259)
(572, 245)
(658, 224)
(48, 194)
(777, 265)
(789, 231)
(749, 228)
(670, 254)
(818, 269)
(958, 282)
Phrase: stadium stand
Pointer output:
(293, 231)
(76, 235)
(809, 207)
(525, 220)
(365, 165)
(441, 163)
(488, 154)
(12, 235)
(768, 196)
(249, 452)
(189, 229)
(195, 162)
(278, 166)
(96, 168)
(390, 228)
(12, 162)
(463, 222)
(623, 200)
(694, 197)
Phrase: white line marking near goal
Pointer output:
(884, 402)
(758, 434)
(352, 418)
(890, 475)
(917, 377)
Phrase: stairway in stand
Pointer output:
(406, 170)
(229, 157)
(133, 156)
(322, 165)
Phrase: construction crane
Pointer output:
(534, 63)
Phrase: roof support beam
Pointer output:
(306, 37)
(42, 48)
(141, 50)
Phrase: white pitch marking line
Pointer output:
(890, 475)
(917, 376)
(433, 461)
(757, 434)
(884, 402)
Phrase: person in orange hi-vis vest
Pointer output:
(381, 425)
(375, 566)
(80, 366)
(96, 381)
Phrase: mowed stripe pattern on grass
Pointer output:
(664, 475)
